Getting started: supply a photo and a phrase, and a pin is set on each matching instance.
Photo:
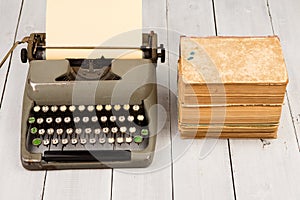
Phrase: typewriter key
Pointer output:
(140, 117)
(41, 131)
(46, 142)
(64, 141)
(36, 142)
(49, 120)
(128, 139)
(63, 108)
(108, 107)
(67, 119)
(58, 120)
(40, 120)
(78, 131)
(74, 141)
(97, 131)
(85, 119)
(45, 109)
(36, 108)
(99, 107)
(33, 130)
(126, 107)
(117, 107)
(121, 118)
(92, 140)
(144, 132)
(76, 119)
(120, 140)
(55, 141)
(69, 131)
(105, 130)
(83, 141)
(138, 139)
(132, 129)
(90, 108)
(31, 120)
(72, 108)
(130, 118)
(103, 119)
(136, 107)
(94, 119)
(111, 140)
(50, 131)
(113, 118)
(54, 108)
(114, 129)
(88, 130)
(59, 131)
(81, 108)
(123, 129)
(102, 140)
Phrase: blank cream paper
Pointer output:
(93, 23)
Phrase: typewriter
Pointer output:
(89, 113)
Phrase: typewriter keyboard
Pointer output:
(54, 129)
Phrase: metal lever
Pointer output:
(25, 39)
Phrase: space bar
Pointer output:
(87, 156)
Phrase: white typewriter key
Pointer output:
(92, 140)
(85, 119)
(83, 141)
(40, 120)
(121, 118)
(97, 131)
(94, 119)
(45, 108)
(81, 108)
(130, 118)
(36, 108)
(90, 108)
(140, 117)
(69, 131)
(58, 120)
(102, 140)
(46, 142)
(49, 120)
(120, 140)
(126, 107)
(72, 108)
(64, 141)
(54, 108)
(78, 131)
(136, 107)
(67, 119)
(76, 119)
(103, 119)
(50, 131)
(114, 129)
(41, 131)
(59, 131)
(74, 141)
(99, 107)
(108, 107)
(63, 108)
(123, 129)
(111, 140)
(105, 130)
(128, 139)
(117, 107)
(55, 141)
(132, 129)
(113, 118)
(88, 130)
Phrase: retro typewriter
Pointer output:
(89, 113)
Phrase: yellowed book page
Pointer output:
(97, 23)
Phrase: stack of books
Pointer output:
(230, 86)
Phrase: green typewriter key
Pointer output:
(33, 130)
(36, 142)
(138, 139)
(31, 120)
(144, 132)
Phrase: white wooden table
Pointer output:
(182, 169)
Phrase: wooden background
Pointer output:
(233, 169)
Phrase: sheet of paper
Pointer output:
(93, 23)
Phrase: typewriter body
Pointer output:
(89, 113)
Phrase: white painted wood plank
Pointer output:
(286, 19)
(154, 182)
(263, 169)
(16, 182)
(9, 13)
(195, 177)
